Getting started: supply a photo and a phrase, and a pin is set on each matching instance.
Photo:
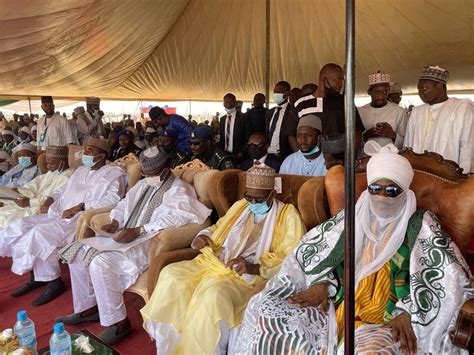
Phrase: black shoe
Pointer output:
(53, 290)
(112, 336)
(30, 285)
(77, 318)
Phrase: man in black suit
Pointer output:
(257, 150)
(281, 123)
(255, 117)
(232, 128)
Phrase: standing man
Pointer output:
(396, 93)
(89, 121)
(281, 123)
(384, 121)
(255, 117)
(53, 129)
(442, 125)
(232, 128)
(176, 123)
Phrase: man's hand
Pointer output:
(127, 235)
(403, 331)
(23, 202)
(71, 212)
(383, 129)
(45, 205)
(111, 227)
(313, 296)
(2, 204)
(202, 241)
(241, 266)
(370, 133)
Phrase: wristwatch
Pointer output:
(142, 230)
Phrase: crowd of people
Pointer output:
(261, 283)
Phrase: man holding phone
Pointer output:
(89, 121)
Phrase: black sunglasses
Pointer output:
(256, 199)
(390, 190)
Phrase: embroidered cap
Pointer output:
(260, 178)
(25, 146)
(92, 100)
(333, 144)
(311, 121)
(436, 73)
(99, 143)
(379, 78)
(153, 159)
(395, 88)
(57, 152)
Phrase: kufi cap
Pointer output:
(25, 146)
(379, 78)
(57, 151)
(92, 100)
(436, 73)
(150, 130)
(168, 132)
(333, 144)
(99, 143)
(46, 99)
(153, 159)
(34, 128)
(6, 132)
(155, 112)
(386, 163)
(79, 109)
(311, 121)
(25, 129)
(200, 133)
(395, 88)
(260, 178)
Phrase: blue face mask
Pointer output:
(278, 98)
(24, 161)
(259, 209)
(88, 161)
(312, 151)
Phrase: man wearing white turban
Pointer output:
(396, 309)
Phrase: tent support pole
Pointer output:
(267, 52)
(29, 104)
(349, 243)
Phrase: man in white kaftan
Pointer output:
(26, 169)
(100, 277)
(442, 125)
(411, 279)
(89, 122)
(39, 188)
(33, 242)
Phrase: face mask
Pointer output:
(259, 209)
(256, 152)
(24, 161)
(88, 161)
(58, 171)
(230, 110)
(386, 207)
(330, 91)
(311, 152)
(278, 98)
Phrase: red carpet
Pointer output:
(137, 343)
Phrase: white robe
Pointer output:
(33, 242)
(392, 114)
(58, 132)
(36, 190)
(88, 126)
(451, 133)
(110, 273)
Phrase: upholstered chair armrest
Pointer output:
(462, 335)
(223, 189)
(84, 221)
(164, 259)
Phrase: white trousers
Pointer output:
(33, 243)
(109, 274)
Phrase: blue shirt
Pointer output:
(297, 164)
(183, 128)
(18, 176)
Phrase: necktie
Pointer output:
(227, 132)
(256, 163)
(274, 123)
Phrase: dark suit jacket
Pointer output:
(288, 128)
(270, 161)
(239, 133)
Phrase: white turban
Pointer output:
(25, 146)
(386, 163)
(7, 132)
(25, 129)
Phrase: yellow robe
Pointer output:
(36, 190)
(194, 296)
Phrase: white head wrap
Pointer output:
(25, 146)
(6, 132)
(150, 130)
(25, 129)
(381, 222)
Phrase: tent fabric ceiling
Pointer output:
(201, 49)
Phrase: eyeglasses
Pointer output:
(256, 199)
(390, 190)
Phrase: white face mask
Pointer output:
(230, 110)
(153, 181)
(387, 208)
(278, 98)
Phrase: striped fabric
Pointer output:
(309, 104)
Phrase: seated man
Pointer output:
(410, 277)
(210, 154)
(158, 202)
(5, 162)
(33, 242)
(124, 145)
(9, 141)
(257, 147)
(39, 188)
(26, 169)
(150, 136)
(24, 134)
(333, 147)
(167, 143)
(196, 303)
(308, 160)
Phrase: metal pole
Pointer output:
(29, 104)
(349, 244)
(267, 52)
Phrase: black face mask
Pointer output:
(330, 91)
(256, 152)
